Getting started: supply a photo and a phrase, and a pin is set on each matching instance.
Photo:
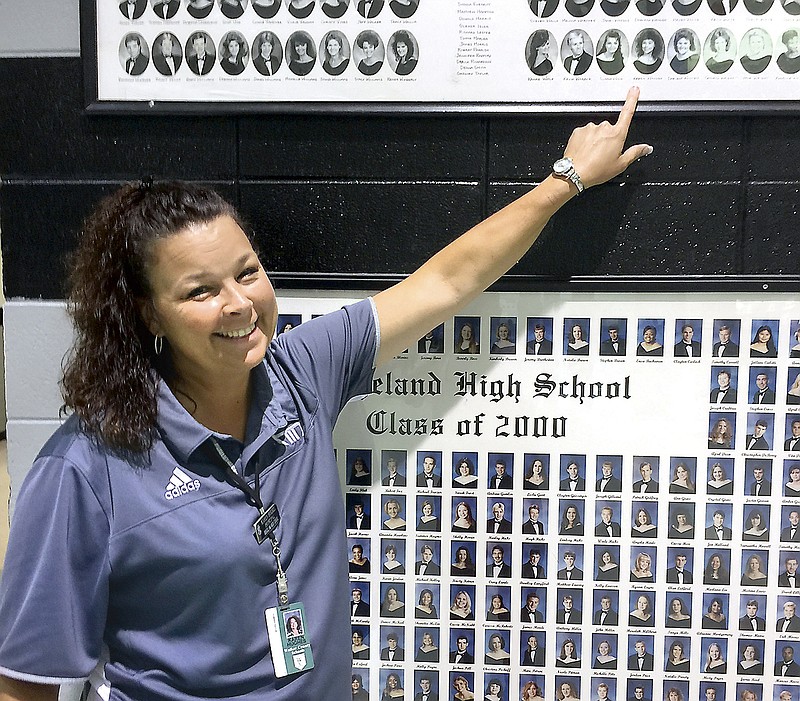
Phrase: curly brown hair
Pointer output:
(111, 375)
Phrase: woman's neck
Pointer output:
(218, 403)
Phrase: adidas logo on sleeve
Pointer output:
(180, 483)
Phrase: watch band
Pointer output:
(564, 168)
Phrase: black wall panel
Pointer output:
(363, 195)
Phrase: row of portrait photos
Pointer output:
(266, 9)
(650, 8)
(300, 54)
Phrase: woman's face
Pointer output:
(681, 472)
(333, 46)
(683, 46)
(359, 464)
(426, 598)
(566, 690)
(392, 509)
(676, 651)
(577, 332)
(755, 520)
(764, 335)
(723, 426)
(463, 468)
(604, 648)
(496, 643)
(461, 555)
(717, 473)
(357, 639)
(427, 509)
(391, 595)
(466, 332)
(749, 653)
(233, 47)
(460, 684)
(544, 48)
(427, 639)
(643, 562)
(572, 514)
(754, 565)
(649, 335)
(612, 44)
(648, 46)
(569, 648)
(538, 468)
(641, 517)
(497, 602)
(606, 558)
(390, 554)
(677, 606)
(673, 695)
(720, 44)
(716, 606)
(301, 48)
(211, 299)
(715, 562)
(681, 519)
(756, 44)
(461, 600)
(714, 652)
(392, 681)
(642, 603)
(494, 688)
(368, 48)
(794, 474)
(402, 49)
(502, 332)
(462, 511)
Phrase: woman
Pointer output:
(643, 526)
(428, 521)
(461, 685)
(145, 343)
(392, 565)
(608, 569)
(466, 341)
(425, 608)
(763, 346)
(719, 482)
(750, 664)
(754, 574)
(493, 690)
(757, 58)
(403, 49)
(334, 60)
(393, 510)
(427, 651)
(461, 610)
(358, 564)
(391, 606)
(502, 344)
(359, 474)
(576, 344)
(535, 477)
(368, 42)
(721, 436)
(676, 661)
(641, 569)
(682, 528)
(300, 53)
(787, 36)
(403, 8)
(301, 9)
(609, 55)
(674, 694)
(531, 692)
(497, 653)
(497, 609)
(714, 618)
(566, 657)
(570, 522)
(685, 58)
(649, 50)
(789, 62)
(539, 61)
(681, 480)
(642, 615)
(334, 8)
(464, 523)
(715, 663)
(234, 53)
(792, 487)
(604, 659)
(715, 572)
(720, 43)
(677, 617)
(466, 479)
(360, 651)
(393, 688)
(463, 565)
(567, 692)
(266, 9)
(757, 528)
(648, 346)
(793, 393)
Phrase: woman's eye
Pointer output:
(248, 272)
(197, 292)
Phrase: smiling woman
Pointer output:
(175, 380)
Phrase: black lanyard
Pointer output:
(265, 525)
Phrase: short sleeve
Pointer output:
(334, 353)
(54, 589)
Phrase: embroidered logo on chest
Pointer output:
(179, 484)
(290, 435)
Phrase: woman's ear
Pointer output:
(149, 316)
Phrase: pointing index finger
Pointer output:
(628, 109)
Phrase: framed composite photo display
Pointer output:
(440, 55)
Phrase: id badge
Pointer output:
(288, 642)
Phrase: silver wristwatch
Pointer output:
(564, 168)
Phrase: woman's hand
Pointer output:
(596, 149)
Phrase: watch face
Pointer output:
(562, 165)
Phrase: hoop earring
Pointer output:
(158, 344)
